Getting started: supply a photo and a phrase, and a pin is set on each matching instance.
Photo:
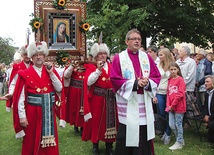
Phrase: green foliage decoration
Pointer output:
(36, 23)
(62, 57)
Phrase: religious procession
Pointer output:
(70, 98)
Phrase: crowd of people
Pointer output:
(109, 98)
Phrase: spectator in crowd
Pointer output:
(160, 99)
(176, 54)
(208, 110)
(196, 59)
(8, 72)
(2, 76)
(4, 88)
(188, 71)
(153, 52)
(161, 46)
(135, 77)
(210, 57)
(204, 68)
(192, 55)
(176, 104)
(142, 49)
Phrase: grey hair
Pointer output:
(203, 52)
(153, 48)
(132, 31)
(186, 49)
(210, 76)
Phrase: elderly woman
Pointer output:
(209, 107)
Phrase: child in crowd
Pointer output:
(176, 104)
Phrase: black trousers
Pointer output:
(210, 135)
(145, 147)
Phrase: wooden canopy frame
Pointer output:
(72, 15)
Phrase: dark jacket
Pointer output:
(2, 76)
(206, 112)
(207, 71)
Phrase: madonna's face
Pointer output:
(62, 28)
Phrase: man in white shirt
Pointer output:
(188, 70)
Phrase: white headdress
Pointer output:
(35, 47)
(17, 56)
(23, 50)
(96, 48)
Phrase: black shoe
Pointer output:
(109, 152)
(76, 130)
(81, 131)
(109, 146)
(95, 149)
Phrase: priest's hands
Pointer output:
(143, 82)
(23, 122)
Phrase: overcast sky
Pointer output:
(14, 16)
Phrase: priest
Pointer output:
(135, 78)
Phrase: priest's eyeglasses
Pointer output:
(139, 39)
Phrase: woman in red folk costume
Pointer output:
(36, 92)
(99, 105)
(73, 80)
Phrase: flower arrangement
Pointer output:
(59, 4)
(36, 23)
(84, 26)
(62, 58)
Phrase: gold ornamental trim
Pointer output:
(41, 89)
(80, 5)
(74, 4)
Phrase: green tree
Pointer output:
(165, 21)
(6, 50)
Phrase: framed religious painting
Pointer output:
(61, 26)
(62, 31)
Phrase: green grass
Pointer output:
(71, 143)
